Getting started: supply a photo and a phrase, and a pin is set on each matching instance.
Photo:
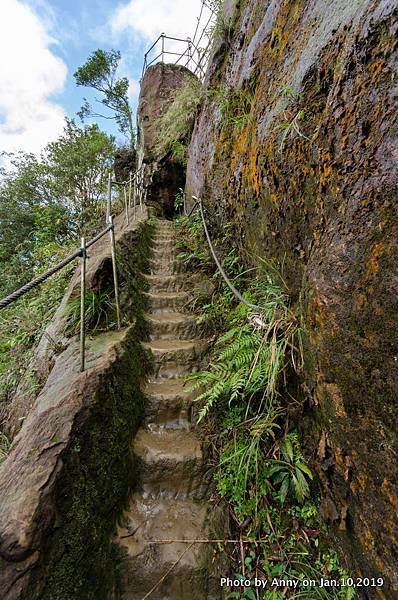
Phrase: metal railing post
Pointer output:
(109, 199)
(135, 191)
(126, 205)
(162, 47)
(82, 305)
(115, 278)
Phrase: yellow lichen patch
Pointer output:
(367, 537)
(360, 302)
(362, 479)
(376, 253)
(239, 148)
(390, 491)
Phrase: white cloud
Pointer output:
(30, 73)
(134, 90)
(175, 18)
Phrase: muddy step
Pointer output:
(168, 300)
(169, 404)
(171, 325)
(176, 358)
(164, 251)
(167, 239)
(172, 464)
(191, 574)
(167, 283)
(177, 350)
(166, 266)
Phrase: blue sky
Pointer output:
(43, 42)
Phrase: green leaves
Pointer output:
(289, 474)
(99, 73)
(177, 122)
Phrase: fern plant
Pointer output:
(248, 360)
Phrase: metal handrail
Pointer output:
(237, 294)
(138, 180)
(190, 52)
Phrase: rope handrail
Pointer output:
(237, 294)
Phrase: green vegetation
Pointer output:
(97, 307)
(99, 73)
(246, 397)
(235, 106)
(290, 119)
(222, 30)
(4, 447)
(177, 122)
(46, 203)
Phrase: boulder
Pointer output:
(163, 175)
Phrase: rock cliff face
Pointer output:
(163, 176)
(70, 469)
(296, 145)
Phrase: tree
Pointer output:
(49, 201)
(77, 165)
(99, 73)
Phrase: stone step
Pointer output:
(170, 325)
(166, 266)
(168, 300)
(169, 404)
(191, 576)
(172, 464)
(163, 240)
(167, 283)
(175, 358)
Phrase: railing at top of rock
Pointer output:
(135, 195)
(190, 56)
(187, 52)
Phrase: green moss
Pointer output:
(99, 470)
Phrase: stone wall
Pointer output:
(296, 145)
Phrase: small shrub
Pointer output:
(96, 311)
(176, 124)
(235, 105)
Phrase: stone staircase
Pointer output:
(172, 502)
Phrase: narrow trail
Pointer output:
(172, 503)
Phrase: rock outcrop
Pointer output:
(163, 175)
(296, 145)
(125, 163)
(69, 471)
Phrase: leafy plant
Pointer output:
(176, 124)
(248, 360)
(222, 28)
(290, 471)
(96, 311)
(4, 447)
(235, 105)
